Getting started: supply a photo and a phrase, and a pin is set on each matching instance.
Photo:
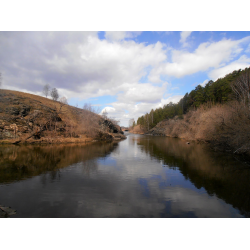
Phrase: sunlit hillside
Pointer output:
(25, 116)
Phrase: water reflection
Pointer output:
(138, 177)
(22, 162)
(219, 173)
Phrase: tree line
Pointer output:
(235, 85)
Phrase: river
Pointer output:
(142, 176)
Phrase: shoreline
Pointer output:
(214, 145)
(60, 140)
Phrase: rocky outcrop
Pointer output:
(158, 130)
(106, 124)
(110, 131)
(6, 211)
(28, 119)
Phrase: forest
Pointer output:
(223, 90)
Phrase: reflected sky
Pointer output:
(138, 177)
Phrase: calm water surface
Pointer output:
(142, 176)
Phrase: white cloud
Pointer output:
(207, 55)
(120, 35)
(242, 63)
(136, 99)
(184, 36)
(248, 49)
(173, 99)
(204, 83)
(141, 92)
(78, 62)
(136, 109)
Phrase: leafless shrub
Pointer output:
(241, 87)
(138, 129)
(54, 94)
(63, 100)
(91, 108)
(227, 125)
(114, 121)
(46, 89)
(90, 122)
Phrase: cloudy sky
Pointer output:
(126, 73)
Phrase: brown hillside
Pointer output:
(137, 129)
(27, 118)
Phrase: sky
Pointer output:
(125, 73)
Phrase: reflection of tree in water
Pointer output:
(218, 173)
(91, 166)
(50, 176)
(21, 162)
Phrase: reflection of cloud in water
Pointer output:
(124, 194)
(123, 184)
(200, 204)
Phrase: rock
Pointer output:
(23, 129)
(12, 110)
(6, 211)
(25, 110)
(36, 113)
(13, 127)
(104, 137)
(112, 128)
(16, 102)
(118, 136)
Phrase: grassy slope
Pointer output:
(68, 111)
(15, 99)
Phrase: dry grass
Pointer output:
(226, 126)
(74, 121)
(137, 130)
(67, 111)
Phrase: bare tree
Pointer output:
(89, 107)
(91, 121)
(131, 121)
(46, 89)
(105, 114)
(114, 120)
(63, 100)
(241, 87)
(0, 79)
(54, 94)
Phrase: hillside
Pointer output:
(28, 118)
(137, 129)
(218, 113)
(233, 86)
(225, 127)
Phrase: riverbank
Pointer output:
(60, 140)
(224, 127)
